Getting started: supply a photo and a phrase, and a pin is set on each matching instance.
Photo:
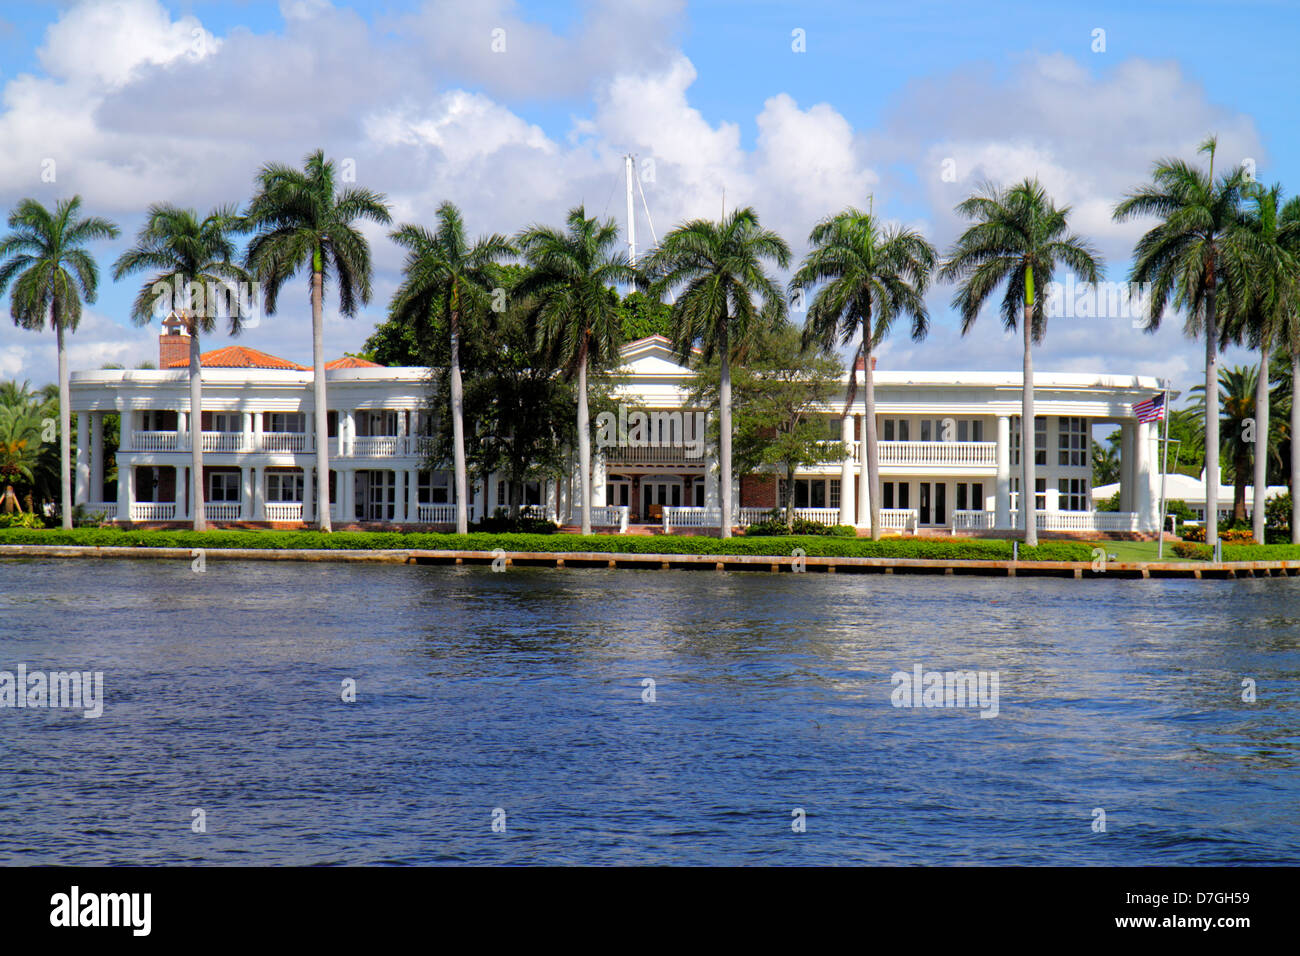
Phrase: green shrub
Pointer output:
(773, 525)
(1189, 549)
(1277, 514)
(502, 523)
(1226, 535)
(21, 519)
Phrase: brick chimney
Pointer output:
(174, 343)
(862, 363)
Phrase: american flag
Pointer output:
(1152, 410)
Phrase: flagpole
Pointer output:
(1164, 472)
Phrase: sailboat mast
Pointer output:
(631, 215)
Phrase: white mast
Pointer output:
(631, 214)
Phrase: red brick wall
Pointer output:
(758, 491)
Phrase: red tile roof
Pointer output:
(239, 356)
(351, 361)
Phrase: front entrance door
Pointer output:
(933, 507)
(618, 492)
(656, 494)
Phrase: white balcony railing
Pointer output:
(654, 455)
(377, 446)
(677, 517)
(106, 508)
(225, 442)
(981, 453)
(155, 441)
(153, 511)
(283, 510)
(282, 441)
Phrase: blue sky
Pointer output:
(712, 93)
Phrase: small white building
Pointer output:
(1191, 491)
(949, 448)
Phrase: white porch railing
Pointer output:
(106, 508)
(938, 453)
(283, 510)
(684, 517)
(974, 520)
(607, 516)
(221, 510)
(283, 441)
(443, 512)
(153, 511)
(155, 441)
(899, 519)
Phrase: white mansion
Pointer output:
(949, 449)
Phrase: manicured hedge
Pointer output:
(1261, 552)
(817, 546)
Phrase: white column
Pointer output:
(257, 431)
(478, 494)
(308, 481)
(246, 420)
(1141, 477)
(125, 487)
(96, 456)
(712, 479)
(259, 492)
(1126, 473)
(347, 493)
(246, 478)
(848, 499)
(1002, 493)
(412, 494)
(863, 489)
(401, 433)
(82, 490)
(598, 473)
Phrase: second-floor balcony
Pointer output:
(978, 454)
(360, 446)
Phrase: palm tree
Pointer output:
(579, 321)
(1237, 396)
(718, 269)
(1184, 256)
(302, 221)
(22, 415)
(190, 260)
(1019, 236)
(447, 279)
(871, 276)
(1266, 313)
(45, 258)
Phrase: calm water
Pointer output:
(523, 691)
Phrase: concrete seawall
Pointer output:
(699, 562)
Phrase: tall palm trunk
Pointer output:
(458, 428)
(197, 499)
(1261, 445)
(1028, 486)
(1211, 417)
(869, 467)
(724, 437)
(584, 440)
(1295, 449)
(322, 408)
(65, 426)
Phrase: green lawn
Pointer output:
(1136, 550)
